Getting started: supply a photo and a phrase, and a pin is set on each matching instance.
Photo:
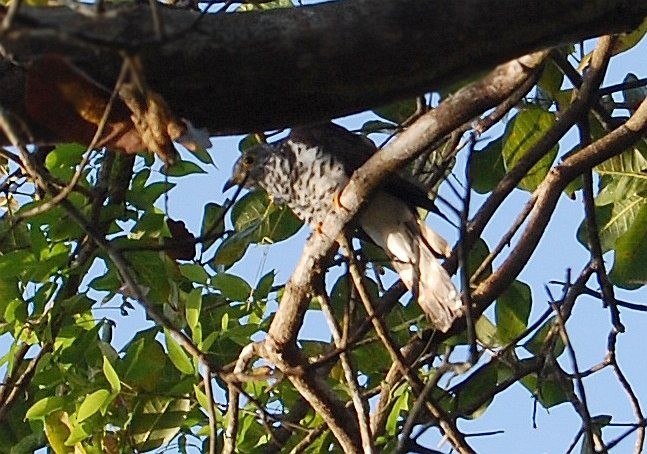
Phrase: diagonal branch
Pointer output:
(546, 196)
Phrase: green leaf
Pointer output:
(14, 263)
(535, 344)
(269, 221)
(62, 159)
(626, 41)
(486, 166)
(177, 355)
(57, 432)
(16, 311)
(548, 391)
(183, 168)
(157, 421)
(111, 376)
(193, 306)
(150, 225)
(201, 397)
(551, 79)
(400, 405)
(224, 322)
(213, 223)
(264, 286)
(486, 332)
(44, 407)
(477, 255)
(194, 272)
(145, 197)
(232, 287)
(470, 392)
(378, 126)
(630, 260)
(512, 311)
(621, 198)
(201, 153)
(522, 132)
(232, 249)
(249, 141)
(256, 220)
(92, 404)
(143, 361)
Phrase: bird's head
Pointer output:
(249, 168)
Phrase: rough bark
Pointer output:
(255, 71)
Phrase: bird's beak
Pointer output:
(229, 184)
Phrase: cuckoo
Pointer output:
(307, 170)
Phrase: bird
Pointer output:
(309, 168)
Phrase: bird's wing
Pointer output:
(353, 151)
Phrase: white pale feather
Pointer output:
(413, 248)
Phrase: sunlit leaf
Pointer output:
(111, 376)
(57, 431)
(193, 307)
(62, 160)
(92, 404)
(177, 355)
(486, 332)
(401, 404)
(522, 133)
(262, 6)
(45, 406)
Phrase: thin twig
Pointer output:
(361, 406)
(464, 256)
(447, 424)
(583, 408)
(633, 399)
(247, 354)
(213, 429)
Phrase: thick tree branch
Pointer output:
(255, 71)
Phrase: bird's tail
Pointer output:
(427, 279)
(414, 250)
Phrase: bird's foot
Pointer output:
(336, 200)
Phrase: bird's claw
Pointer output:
(336, 200)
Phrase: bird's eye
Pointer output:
(248, 160)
